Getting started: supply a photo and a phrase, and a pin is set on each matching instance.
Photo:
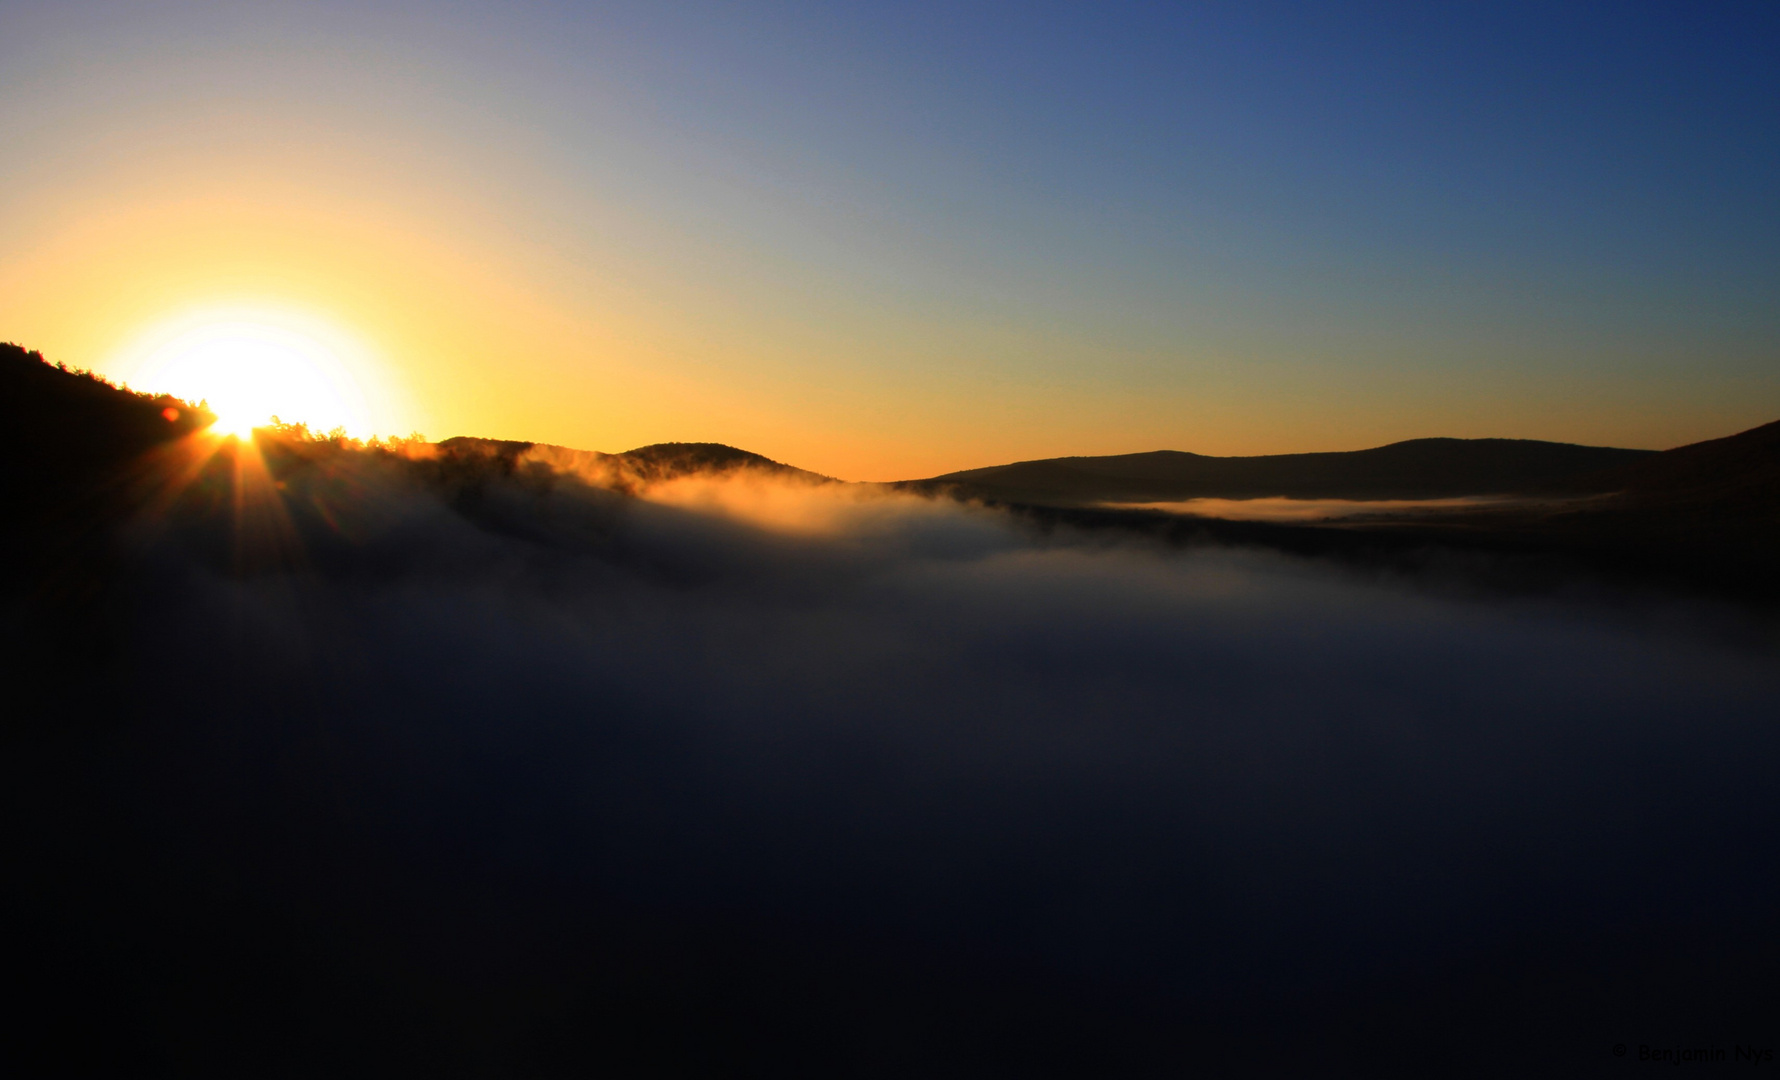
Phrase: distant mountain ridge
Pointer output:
(1706, 513)
(1415, 469)
(80, 457)
(1738, 474)
(632, 471)
(671, 460)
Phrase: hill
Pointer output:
(1734, 476)
(1705, 515)
(1416, 469)
(95, 429)
(1706, 510)
(632, 471)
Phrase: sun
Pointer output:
(248, 371)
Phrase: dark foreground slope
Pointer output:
(1417, 469)
(445, 762)
(79, 458)
(71, 437)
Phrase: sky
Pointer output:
(892, 240)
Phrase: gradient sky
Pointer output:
(890, 240)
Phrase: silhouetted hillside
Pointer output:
(1738, 476)
(76, 458)
(1417, 469)
(1707, 513)
(667, 461)
(631, 472)
(67, 434)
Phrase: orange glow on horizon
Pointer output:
(461, 331)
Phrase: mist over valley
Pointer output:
(496, 757)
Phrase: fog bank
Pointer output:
(1190, 774)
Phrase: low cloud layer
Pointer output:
(1202, 771)
(1283, 509)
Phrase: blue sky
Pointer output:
(889, 238)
